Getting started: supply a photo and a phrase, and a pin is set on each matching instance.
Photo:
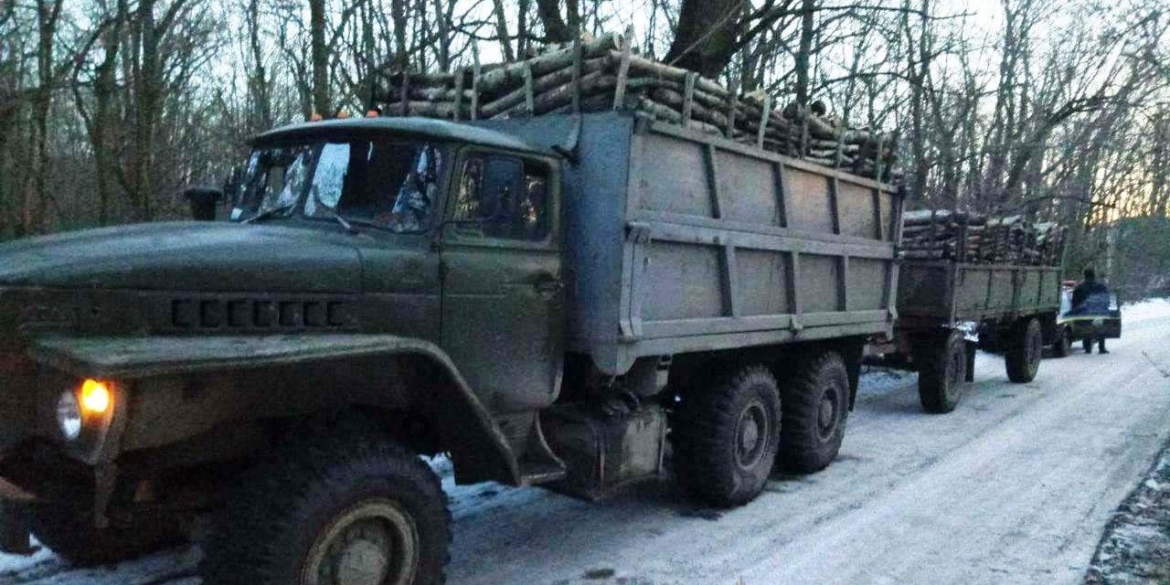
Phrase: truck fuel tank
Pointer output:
(605, 452)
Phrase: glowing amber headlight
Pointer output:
(96, 397)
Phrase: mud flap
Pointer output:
(15, 537)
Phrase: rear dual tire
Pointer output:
(726, 435)
(816, 399)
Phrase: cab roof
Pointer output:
(415, 127)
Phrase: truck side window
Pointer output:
(504, 196)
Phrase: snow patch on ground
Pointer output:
(173, 567)
(1146, 309)
(1136, 545)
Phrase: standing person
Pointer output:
(1090, 297)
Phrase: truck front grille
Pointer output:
(188, 314)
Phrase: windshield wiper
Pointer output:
(270, 212)
(315, 193)
(341, 220)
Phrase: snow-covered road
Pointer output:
(1013, 487)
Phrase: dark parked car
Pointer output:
(1098, 317)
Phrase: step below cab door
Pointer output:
(502, 282)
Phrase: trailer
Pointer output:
(948, 309)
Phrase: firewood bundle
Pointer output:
(604, 73)
(972, 238)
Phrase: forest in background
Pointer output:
(1055, 109)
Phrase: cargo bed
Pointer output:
(680, 241)
(943, 294)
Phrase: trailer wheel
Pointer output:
(816, 407)
(942, 371)
(727, 436)
(70, 532)
(1027, 347)
(333, 511)
(1062, 346)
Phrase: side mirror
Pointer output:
(203, 201)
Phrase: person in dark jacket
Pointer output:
(1086, 296)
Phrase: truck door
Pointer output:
(503, 298)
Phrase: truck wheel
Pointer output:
(1023, 358)
(816, 406)
(333, 512)
(69, 532)
(942, 371)
(1063, 344)
(727, 435)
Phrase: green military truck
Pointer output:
(552, 301)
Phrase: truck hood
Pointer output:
(188, 256)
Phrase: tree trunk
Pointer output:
(398, 14)
(34, 209)
(103, 136)
(556, 30)
(444, 40)
(699, 48)
(146, 111)
(804, 50)
(320, 56)
(258, 84)
(502, 31)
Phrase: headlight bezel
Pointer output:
(69, 418)
(90, 442)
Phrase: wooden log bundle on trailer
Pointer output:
(973, 238)
(606, 73)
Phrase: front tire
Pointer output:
(816, 407)
(1023, 358)
(727, 436)
(333, 511)
(70, 532)
(942, 371)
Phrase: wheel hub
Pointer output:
(1035, 347)
(750, 436)
(825, 415)
(374, 543)
(362, 561)
(958, 363)
(751, 432)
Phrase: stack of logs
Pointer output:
(972, 238)
(604, 73)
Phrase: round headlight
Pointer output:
(69, 415)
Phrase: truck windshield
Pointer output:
(391, 185)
